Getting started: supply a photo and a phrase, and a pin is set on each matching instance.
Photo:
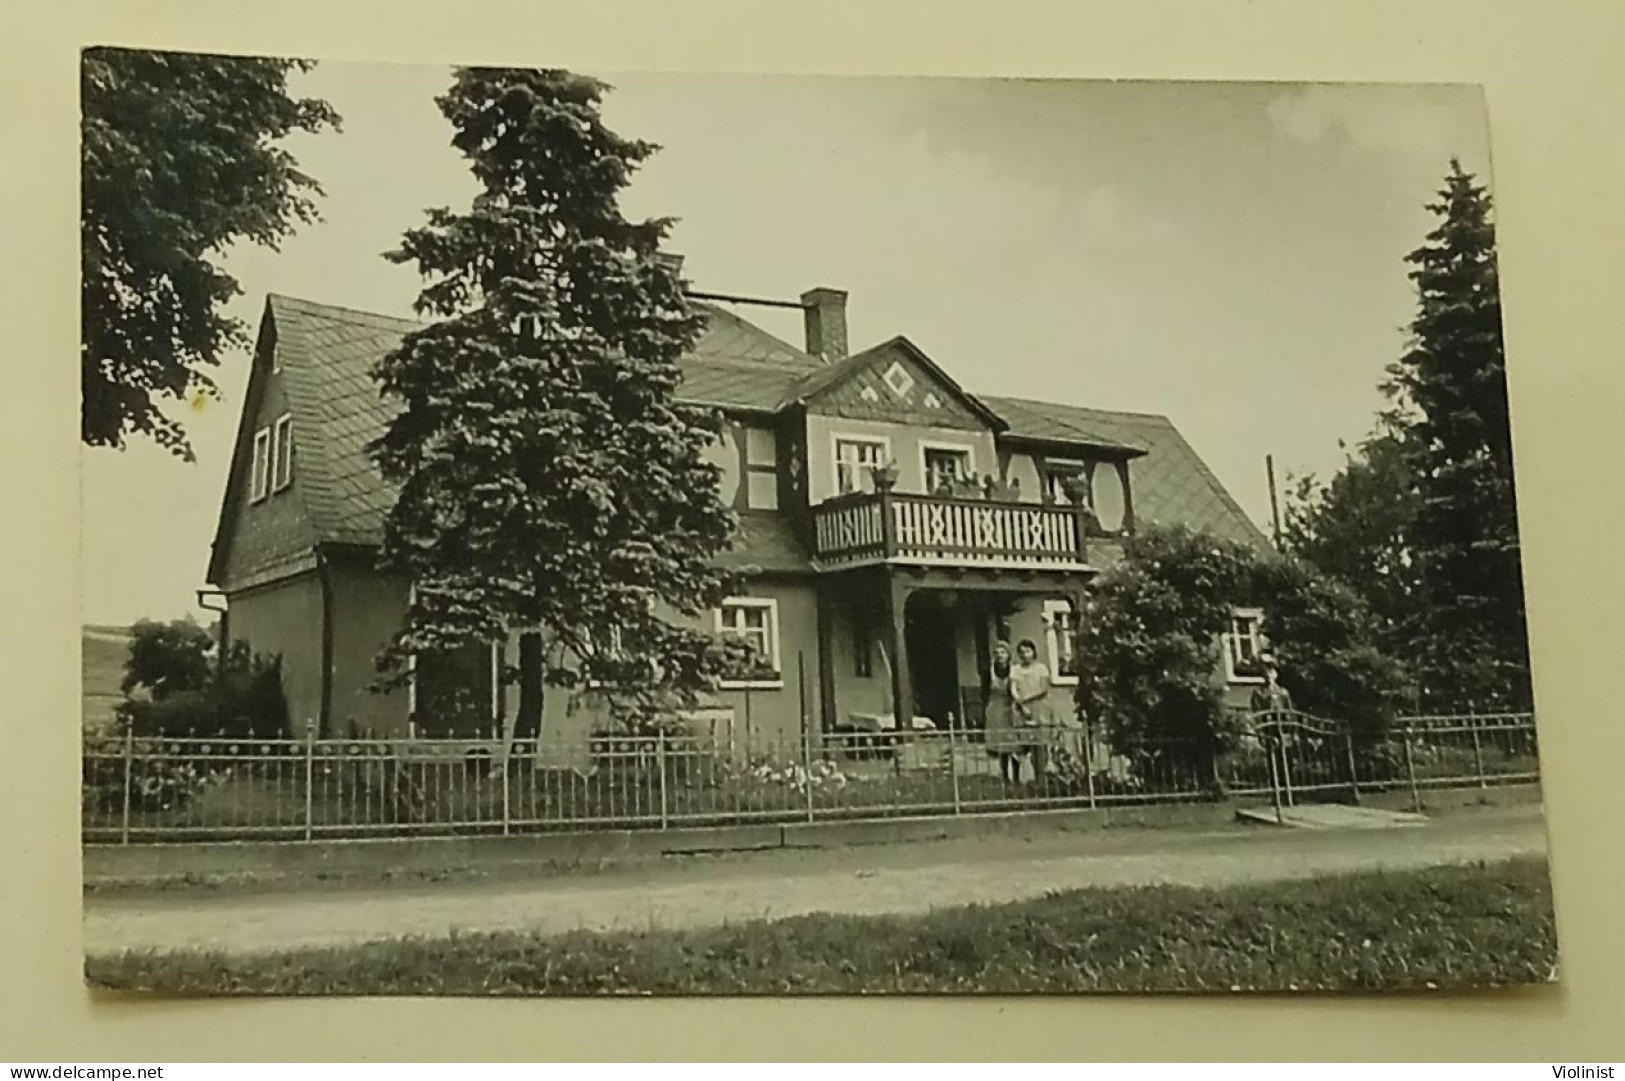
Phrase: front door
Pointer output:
(930, 630)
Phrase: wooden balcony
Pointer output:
(893, 527)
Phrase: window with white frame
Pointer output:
(260, 473)
(282, 453)
(854, 458)
(1244, 646)
(945, 465)
(1061, 636)
(754, 621)
(761, 469)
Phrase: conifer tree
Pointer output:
(1450, 393)
(548, 480)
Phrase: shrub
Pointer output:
(244, 701)
(1149, 647)
(167, 658)
(157, 782)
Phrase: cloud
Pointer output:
(1409, 121)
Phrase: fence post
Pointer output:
(129, 760)
(1354, 769)
(1270, 751)
(660, 766)
(953, 765)
(1088, 762)
(806, 771)
(1286, 767)
(1410, 773)
(1478, 748)
(310, 775)
(806, 733)
(507, 768)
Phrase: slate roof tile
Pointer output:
(327, 354)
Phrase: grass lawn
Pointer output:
(104, 650)
(1445, 927)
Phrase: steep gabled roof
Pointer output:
(1044, 423)
(1171, 482)
(736, 365)
(326, 355)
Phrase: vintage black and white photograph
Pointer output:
(551, 532)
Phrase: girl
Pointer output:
(1000, 717)
(1029, 695)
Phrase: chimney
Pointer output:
(825, 312)
(673, 263)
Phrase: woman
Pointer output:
(999, 725)
(1029, 696)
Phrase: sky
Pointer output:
(1229, 255)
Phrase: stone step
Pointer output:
(1321, 816)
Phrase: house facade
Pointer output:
(892, 527)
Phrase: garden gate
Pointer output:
(1304, 756)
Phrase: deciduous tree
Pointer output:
(180, 160)
(166, 658)
(1149, 645)
(1357, 526)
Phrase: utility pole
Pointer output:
(1275, 504)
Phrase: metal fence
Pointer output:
(163, 789)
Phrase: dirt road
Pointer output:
(708, 890)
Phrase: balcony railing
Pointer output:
(893, 527)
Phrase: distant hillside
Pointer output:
(105, 649)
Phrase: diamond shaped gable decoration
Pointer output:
(932, 401)
(898, 379)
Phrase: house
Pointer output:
(893, 525)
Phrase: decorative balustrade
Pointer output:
(897, 527)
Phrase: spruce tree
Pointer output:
(1450, 393)
(548, 480)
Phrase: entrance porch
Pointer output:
(924, 637)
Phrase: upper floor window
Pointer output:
(1057, 477)
(1061, 634)
(282, 453)
(755, 621)
(1244, 646)
(855, 456)
(944, 466)
(761, 469)
(260, 474)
